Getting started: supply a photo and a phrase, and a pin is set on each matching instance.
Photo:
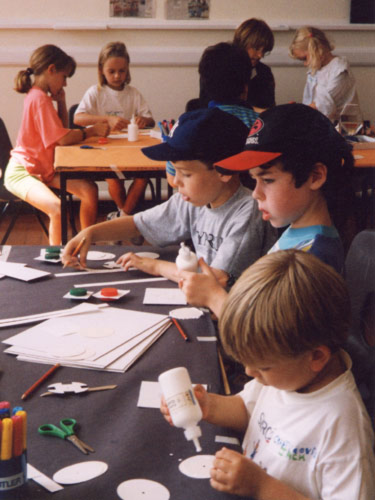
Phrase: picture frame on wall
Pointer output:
(188, 9)
(132, 8)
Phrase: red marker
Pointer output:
(17, 439)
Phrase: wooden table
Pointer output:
(116, 159)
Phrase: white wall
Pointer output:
(164, 54)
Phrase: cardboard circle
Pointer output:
(66, 350)
(78, 473)
(142, 489)
(96, 255)
(197, 467)
(186, 313)
(148, 255)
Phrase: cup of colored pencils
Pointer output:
(13, 450)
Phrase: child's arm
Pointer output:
(114, 122)
(203, 289)
(234, 473)
(116, 229)
(159, 267)
(225, 411)
(76, 135)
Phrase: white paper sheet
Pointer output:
(20, 271)
(164, 296)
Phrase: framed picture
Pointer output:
(132, 8)
(188, 9)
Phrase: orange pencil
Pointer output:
(78, 247)
(179, 328)
(38, 382)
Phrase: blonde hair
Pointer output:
(40, 60)
(112, 49)
(254, 33)
(314, 42)
(285, 304)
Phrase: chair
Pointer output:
(360, 279)
(71, 112)
(8, 201)
(12, 204)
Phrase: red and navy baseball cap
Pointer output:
(294, 131)
(204, 134)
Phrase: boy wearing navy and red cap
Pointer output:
(211, 208)
(302, 167)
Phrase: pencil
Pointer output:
(78, 247)
(38, 382)
(178, 326)
(227, 390)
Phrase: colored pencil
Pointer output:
(40, 381)
(179, 328)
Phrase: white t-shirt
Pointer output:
(331, 87)
(319, 443)
(106, 101)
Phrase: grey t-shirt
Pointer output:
(229, 237)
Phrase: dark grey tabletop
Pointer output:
(134, 442)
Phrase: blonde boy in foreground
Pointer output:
(307, 434)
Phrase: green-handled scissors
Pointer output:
(65, 432)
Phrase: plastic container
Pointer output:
(13, 477)
(183, 406)
(133, 130)
(186, 259)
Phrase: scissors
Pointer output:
(65, 432)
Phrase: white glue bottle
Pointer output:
(133, 130)
(186, 259)
(183, 406)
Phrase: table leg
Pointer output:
(64, 224)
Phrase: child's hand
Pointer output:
(117, 123)
(144, 264)
(59, 97)
(101, 129)
(234, 473)
(141, 121)
(69, 259)
(202, 397)
(199, 287)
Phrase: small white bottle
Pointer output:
(133, 130)
(186, 259)
(183, 406)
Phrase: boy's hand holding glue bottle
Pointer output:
(182, 405)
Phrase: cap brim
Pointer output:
(163, 152)
(246, 160)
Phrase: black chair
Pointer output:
(360, 278)
(71, 112)
(8, 202)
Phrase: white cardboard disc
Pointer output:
(66, 350)
(96, 255)
(142, 489)
(96, 332)
(197, 466)
(186, 313)
(148, 255)
(78, 473)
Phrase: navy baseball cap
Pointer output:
(293, 130)
(204, 134)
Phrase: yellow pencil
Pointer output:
(6, 439)
(78, 247)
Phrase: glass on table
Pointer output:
(351, 121)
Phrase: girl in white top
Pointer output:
(114, 101)
(330, 84)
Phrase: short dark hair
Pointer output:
(224, 70)
(254, 33)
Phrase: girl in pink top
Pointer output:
(30, 173)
